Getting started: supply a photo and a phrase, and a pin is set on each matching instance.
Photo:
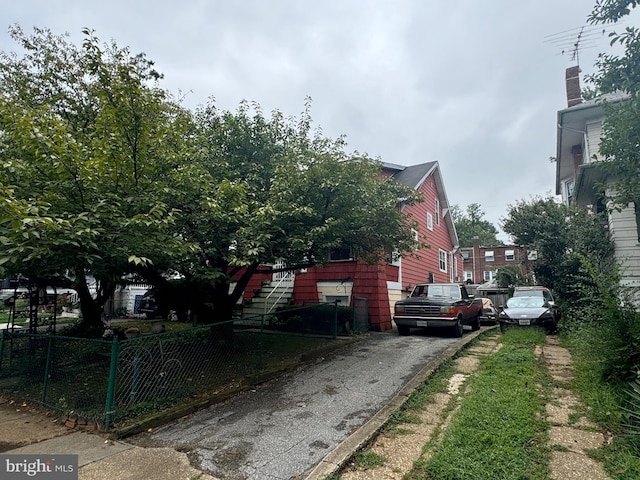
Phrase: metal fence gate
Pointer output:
(360, 314)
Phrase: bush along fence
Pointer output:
(108, 382)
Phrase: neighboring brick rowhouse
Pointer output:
(572, 78)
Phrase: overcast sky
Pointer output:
(473, 84)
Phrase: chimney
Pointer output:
(572, 78)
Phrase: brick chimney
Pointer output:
(572, 77)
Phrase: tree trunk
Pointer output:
(90, 308)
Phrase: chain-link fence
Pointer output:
(110, 381)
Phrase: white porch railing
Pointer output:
(284, 279)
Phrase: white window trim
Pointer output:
(509, 253)
(490, 254)
(442, 254)
(437, 211)
(429, 221)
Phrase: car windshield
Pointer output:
(525, 302)
(528, 293)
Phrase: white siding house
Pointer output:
(579, 178)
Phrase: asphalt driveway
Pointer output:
(283, 428)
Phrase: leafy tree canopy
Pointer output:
(471, 223)
(564, 237)
(87, 140)
(104, 173)
(268, 189)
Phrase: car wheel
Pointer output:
(458, 329)
(475, 324)
(403, 330)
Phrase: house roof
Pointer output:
(414, 176)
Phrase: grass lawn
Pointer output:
(498, 432)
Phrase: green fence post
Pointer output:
(261, 364)
(46, 370)
(111, 388)
(4, 334)
(2, 337)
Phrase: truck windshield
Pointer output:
(437, 291)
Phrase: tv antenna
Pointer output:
(573, 41)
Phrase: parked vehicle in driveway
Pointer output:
(527, 311)
(489, 312)
(534, 291)
(438, 305)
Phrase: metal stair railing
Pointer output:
(287, 277)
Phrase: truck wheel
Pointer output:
(475, 323)
(403, 330)
(458, 329)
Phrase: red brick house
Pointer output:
(481, 263)
(345, 277)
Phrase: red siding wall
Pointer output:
(369, 281)
(416, 270)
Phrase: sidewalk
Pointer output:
(24, 430)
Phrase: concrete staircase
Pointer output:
(268, 299)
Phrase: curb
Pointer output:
(336, 459)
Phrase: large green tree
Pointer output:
(564, 239)
(471, 224)
(87, 141)
(105, 175)
(262, 190)
(620, 73)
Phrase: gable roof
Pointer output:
(414, 176)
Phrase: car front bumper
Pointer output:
(528, 322)
(429, 322)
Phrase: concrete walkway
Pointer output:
(570, 437)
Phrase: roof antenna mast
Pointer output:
(574, 40)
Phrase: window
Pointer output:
(340, 253)
(532, 255)
(392, 257)
(509, 255)
(569, 187)
(442, 260)
(468, 275)
(465, 256)
(437, 211)
(488, 256)
(429, 221)
(489, 275)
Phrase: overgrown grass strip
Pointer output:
(499, 431)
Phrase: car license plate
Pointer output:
(422, 323)
(524, 322)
